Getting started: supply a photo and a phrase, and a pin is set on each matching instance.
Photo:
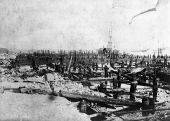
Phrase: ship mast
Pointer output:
(110, 41)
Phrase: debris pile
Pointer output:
(73, 87)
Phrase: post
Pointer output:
(133, 87)
(119, 78)
(155, 88)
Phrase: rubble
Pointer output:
(81, 81)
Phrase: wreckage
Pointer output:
(79, 76)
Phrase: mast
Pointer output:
(110, 41)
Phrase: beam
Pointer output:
(98, 99)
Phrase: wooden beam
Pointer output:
(101, 79)
(127, 112)
(98, 99)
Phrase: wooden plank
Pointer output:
(98, 99)
(140, 82)
(110, 90)
(101, 79)
(127, 112)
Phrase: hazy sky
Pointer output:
(83, 24)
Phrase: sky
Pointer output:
(83, 24)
